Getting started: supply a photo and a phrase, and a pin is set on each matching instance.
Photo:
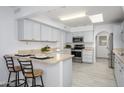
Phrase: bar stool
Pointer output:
(12, 69)
(29, 72)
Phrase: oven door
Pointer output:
(77, 56)
(77, 53)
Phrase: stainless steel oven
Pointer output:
(78, 40)
(77, 52)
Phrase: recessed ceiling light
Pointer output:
(96, 18)
(73, 16)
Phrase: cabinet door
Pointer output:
(87, 57)
(36, 31)
(46, 33)
(88, 36)
(56, 35)
(63, 34)
(116, 71)
(122, 78)
(121, 73)
(28, 30)
(69, 37)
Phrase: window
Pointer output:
(102, 40)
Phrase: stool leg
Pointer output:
(26, 83)
(16, 79)
(33, 82)
(42, 81)
(8, 79)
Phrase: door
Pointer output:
(102, 43)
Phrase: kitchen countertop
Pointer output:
(117, 52)
(58, 57)
(88, 49)
(55, 58)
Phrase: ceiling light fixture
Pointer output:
(96, 18)
(74, 16)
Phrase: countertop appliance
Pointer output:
(77, 51)
(78, 40)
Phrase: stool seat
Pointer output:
(37, 73)
(16, 68)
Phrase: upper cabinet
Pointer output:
(46, 33)
(69, 37)
(34, 31)
(56, 35)
(28, 30)
(88, 36)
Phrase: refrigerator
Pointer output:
(110, 48)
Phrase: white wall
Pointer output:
(9, 39)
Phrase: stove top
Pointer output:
(79, 47)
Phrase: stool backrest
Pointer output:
(26, 66)
(9, 63)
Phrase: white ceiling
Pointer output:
(110, 14)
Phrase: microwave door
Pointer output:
(77, 40)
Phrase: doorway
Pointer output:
(102, 45)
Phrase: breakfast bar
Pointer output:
(57, 69)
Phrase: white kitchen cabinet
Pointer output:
(87, 56)
(68, 37)
(62, 39)
(88, 36)
(28, 30)
(46, 33)
(56, 35)
(36, 31)
(119, 72)
(25, 29)
(63, 34)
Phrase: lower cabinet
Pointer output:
(119, 72)
(87, 56)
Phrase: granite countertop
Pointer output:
(118, 53)
(55, 58)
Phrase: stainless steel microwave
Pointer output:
(78, 40)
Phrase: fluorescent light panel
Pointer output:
(74, 16)
(96, 18)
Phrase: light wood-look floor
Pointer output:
(93, 75)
